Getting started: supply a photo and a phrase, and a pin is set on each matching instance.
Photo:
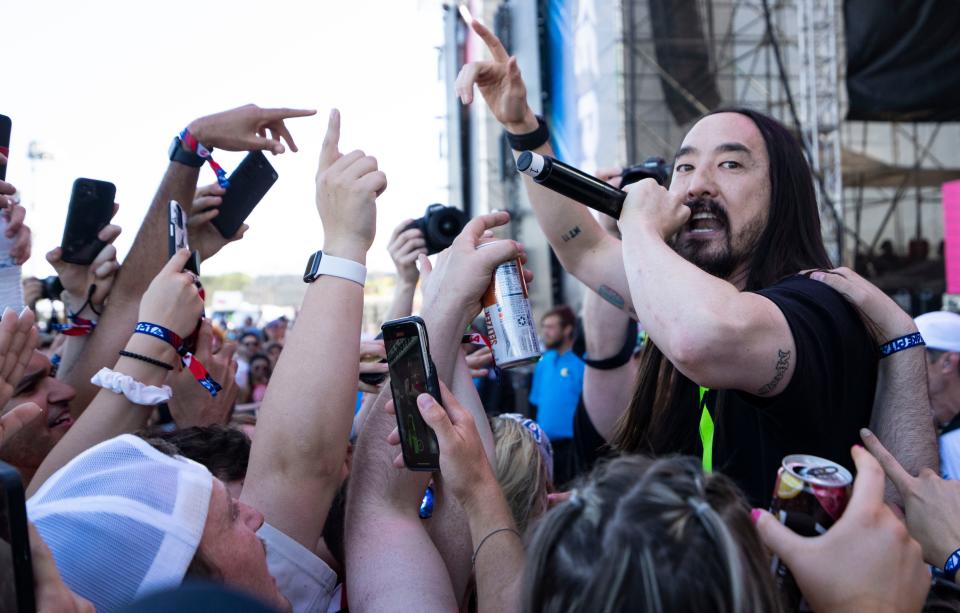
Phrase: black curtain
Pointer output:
(903, 59)
(681, 50)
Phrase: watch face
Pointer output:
(312, 264)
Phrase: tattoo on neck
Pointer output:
(783, 362)
(571, 234)
(610, 295)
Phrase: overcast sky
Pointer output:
(104, 86)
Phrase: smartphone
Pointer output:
(177, 238)
(16, 569)
(411, 374)
(91, 208)
(5, 125)
(249, 183)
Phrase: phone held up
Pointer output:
(177, 238)
(16, 589)
(412, 373)
(90, 210)
(249, 183)
(5, 125)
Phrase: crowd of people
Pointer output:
(261, 469)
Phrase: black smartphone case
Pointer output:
(433, 388)
(5, 125)
(16, 512)
(90, 210)
(249, 183)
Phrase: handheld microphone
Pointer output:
(572, 183)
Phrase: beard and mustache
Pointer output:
(719, 260)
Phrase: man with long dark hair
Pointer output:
(749, 360)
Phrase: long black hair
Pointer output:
(790, 242)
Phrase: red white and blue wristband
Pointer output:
(190, 143)
(191, 363)
(899, 344)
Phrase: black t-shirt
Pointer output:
(822, 409)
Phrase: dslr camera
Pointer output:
(652, 168)
(51, 288)
(440, 225)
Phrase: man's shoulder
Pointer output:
(800, 293)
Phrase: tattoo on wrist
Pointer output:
(610, 295)
(571, 234)
(783, 362)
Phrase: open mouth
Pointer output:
(59, 417)
(703, 223)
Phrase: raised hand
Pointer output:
(463, 271)
(500, 84)
(99, 275)
(890, 572)
(479, 362)
(405, 247)
(191, 404)
(463, 461)
(347, 189)
(173, 299)
(16, 230)
(18, 340)
(888, 319)
(930, 503)
(245, 128)
(203, 236)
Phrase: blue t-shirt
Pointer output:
(557, 384)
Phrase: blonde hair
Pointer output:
(520, 471)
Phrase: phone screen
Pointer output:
(249, 183)
(409, 379)
(91, 207)
(5, 125)
(16, 573)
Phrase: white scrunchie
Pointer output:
(136, 392)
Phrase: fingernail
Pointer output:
(865, 432)
(7, 310)
(858, 446)
(24, 311)
(424, 401)
(755, 514)
(817, 276)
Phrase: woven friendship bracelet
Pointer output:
(899, 344)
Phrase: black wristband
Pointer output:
(530, 140)
(626, 352)
(147, 359)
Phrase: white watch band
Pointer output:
(333, 266)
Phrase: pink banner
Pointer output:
(951, 234)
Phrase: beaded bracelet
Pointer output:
(899, 344)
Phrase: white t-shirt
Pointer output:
(243, 367)
(950, 455)
(306, 580)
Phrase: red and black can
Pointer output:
(810, 496)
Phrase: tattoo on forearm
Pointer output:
(611, 296)
(571, 234)
(783, 362)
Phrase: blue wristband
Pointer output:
(951, 566)
(899, 344)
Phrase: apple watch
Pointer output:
(321, 263)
